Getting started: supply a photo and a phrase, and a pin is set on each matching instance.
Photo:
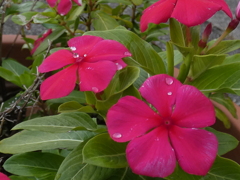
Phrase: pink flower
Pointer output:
(40, 40)
(188, 12)
(166, 133)
(91, 61)
(238, 11)
(63, 6)
(3, 177)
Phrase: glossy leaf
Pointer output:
(33, 164)
(141, 51)
(224, 78)
(103, 21)
(27, 141)
(70, 106)
(226, 142)
(63, 122)
(73, 168)
(225, 47)
(14, 66)
(204, 62)
(226, 102)
(10, 76)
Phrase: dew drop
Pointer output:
(117, 135)
(95, 89)
(90, 68)
(73, 48)
(119, 66)
(75, 55)
(169, 93)
(127, 53)
(157, 139)
(85, 55)
(169, 81)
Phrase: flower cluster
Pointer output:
(168, 132)
(91, 62)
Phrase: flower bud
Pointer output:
(238, 11)
(206, 33)
(232, 25)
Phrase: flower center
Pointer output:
(79, 58)
(167, 122)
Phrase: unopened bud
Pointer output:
(238, 11)
(207, 32)
(232, 25)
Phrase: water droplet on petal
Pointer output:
(95, 89)
(117, 135)
(75, 55)
(127, 53)
(73, 48)
(157, 139)
(85, 55)
(169, 81)
(169, 93)
(119, 66)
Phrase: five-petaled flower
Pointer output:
(91, 62)
(168, 132)
(4, 177)
(40, 40)
(63, 6)
(188, 12)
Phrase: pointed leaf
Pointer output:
(222, 117)
(70, 106)
(225, 47)
(63, 122)
(27, 141)
(14, 66)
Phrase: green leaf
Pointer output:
(203, 62)
(27, 141)
(224, 78)
(141, 51)
(53, 36)
(10, 76)
(33, 164)
(102, 21)
(232, 59)
(63, 122)
(77, 96)
(137, 2)
(24, 18)
(225, 47)
(222, 117)
(127, 2)
(178, 57)
(102, 151)
(179, 174)
(223, 169)
(226, 142)
(22, 178)
(77, 12)
(177, 32)
(73, 168)
(27, 79)
(14, 66)
(70, 106)
(226, 102)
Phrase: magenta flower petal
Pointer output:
(160, 91)
(79, 2)
(112, 50)
(52, 3)
(151, 154)
(4, 177)
(120, 64)
(96, 76)
(56, 60)
(192, 109)
(195, 12)
(59, 84)
(224, 6)
(64, 6)
(130, 118)
(83, 44)
(158, 12)
(196, 149)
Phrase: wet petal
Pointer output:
(120, 64)
(192, 13)
(52, 3)
(96, 76)
(59, 84)
(158, 12)
(152, 154)
(107, 50)
(160, 91)
(192, 108)
(196, 149)
(56, 61)
(130, 118)
(83, 44)
(79, 2)
(64, 7)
